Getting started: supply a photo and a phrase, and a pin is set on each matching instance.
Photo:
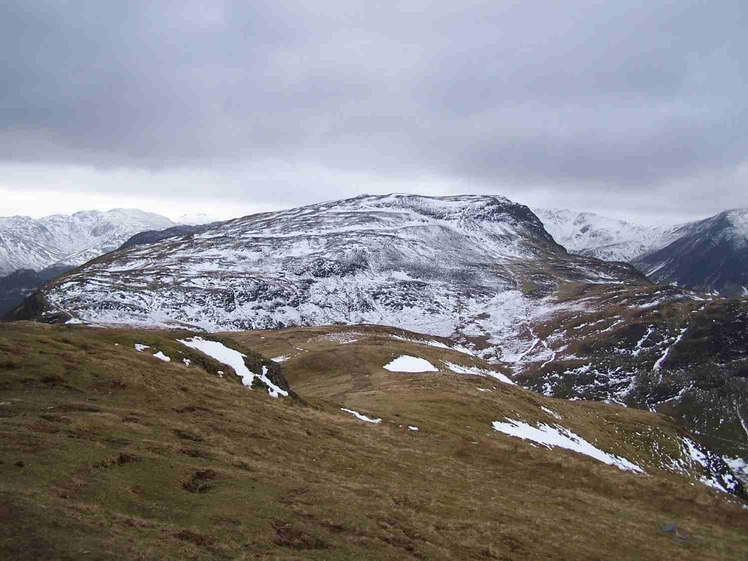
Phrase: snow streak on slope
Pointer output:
(27, 243)
(553, 436)
(235, 360)
(361, 417)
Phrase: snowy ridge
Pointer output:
(593, 235)
(27, 243)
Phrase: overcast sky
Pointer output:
(625, 107)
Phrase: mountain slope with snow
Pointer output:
(464, 265)
(62, 240)
(707, 255)
(712, 256)
(593, 235)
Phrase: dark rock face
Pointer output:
(16, 287)
(711, 256)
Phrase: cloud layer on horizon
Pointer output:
(640, 103)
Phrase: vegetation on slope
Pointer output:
(109, 453)
(687, 359)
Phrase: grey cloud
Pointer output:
(580, 94)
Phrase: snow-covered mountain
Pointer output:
(709, 255)
(69, 240)
(610, 239)
(198, 219)
(467, 264)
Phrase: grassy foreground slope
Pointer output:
(109, 453)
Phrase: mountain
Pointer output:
(464, 266)
(36, 244)
(149, 444)
(709, 255)
(593, 235)
(152, 236)
(712, 256)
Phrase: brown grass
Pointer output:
(105, 475)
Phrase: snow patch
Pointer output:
(475, 371)
(661, 360)
(437, 344)
(551, 413)
(411, 364)
(139, 347)
(739, 466)
(162, 357)
(696, 456)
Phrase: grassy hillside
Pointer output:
(109, 453)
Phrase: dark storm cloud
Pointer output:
(578, 94)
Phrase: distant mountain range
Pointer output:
(62, 240)
(609, 239)
(709, 255)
